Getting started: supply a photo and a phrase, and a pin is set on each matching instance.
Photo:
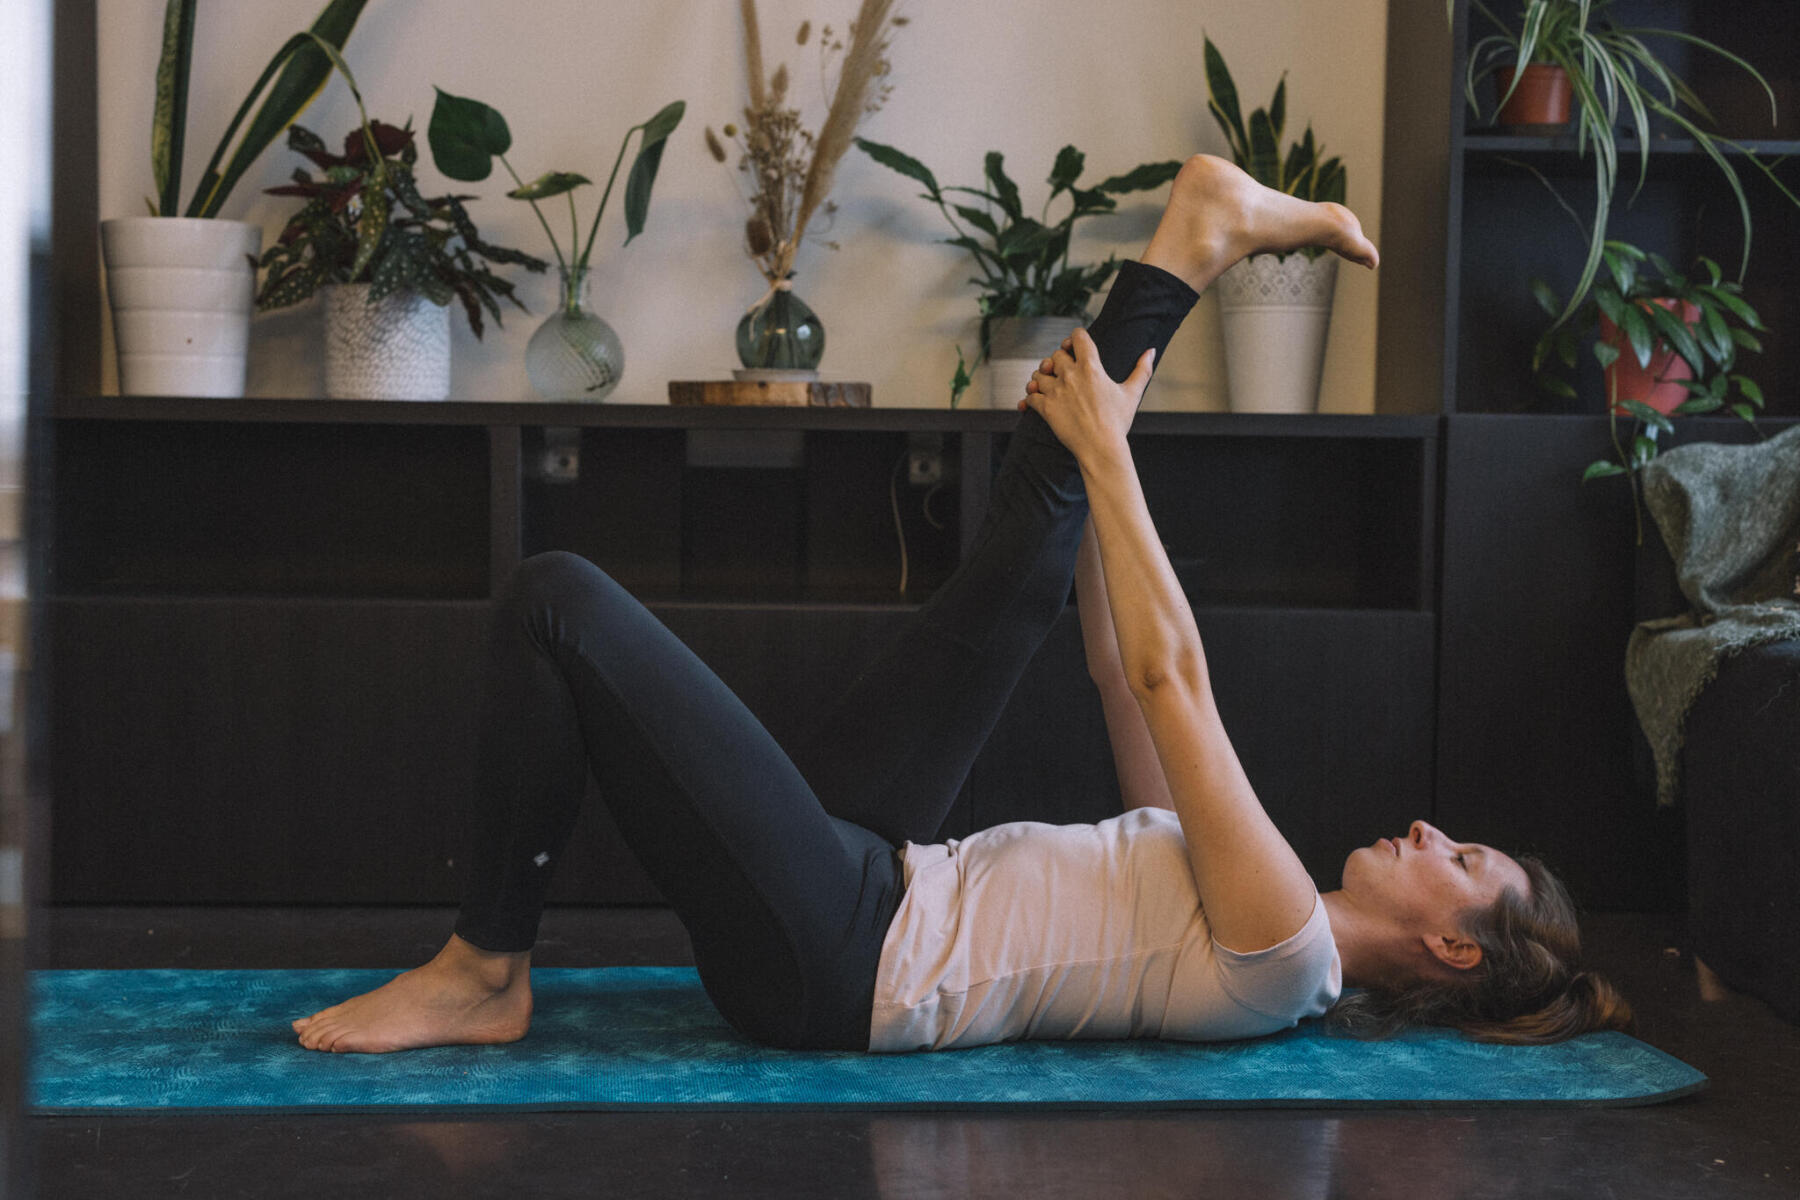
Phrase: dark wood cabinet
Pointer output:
(268, 616)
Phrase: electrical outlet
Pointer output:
(925, 459)
(560, 459)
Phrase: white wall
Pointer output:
(1122, 80)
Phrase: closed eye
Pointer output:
(1462, 860)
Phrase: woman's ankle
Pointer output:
(496, 968)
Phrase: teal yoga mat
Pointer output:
(630, 1038)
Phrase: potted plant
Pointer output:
(574, 355)
(180, 282)
(389, 261)
(1031, 293)
(1275, 309)
(1612, 74)
(790, 171)
(1666, 343)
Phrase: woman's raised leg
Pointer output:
(895, 749)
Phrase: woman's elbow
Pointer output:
(1182, 672)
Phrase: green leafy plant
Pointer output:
(1614, 74)
(365, 222)
(1024, 262)
(467, 135)
(1642, 297)
(304, 68)
(1304, 171)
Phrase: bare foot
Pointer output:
(464, 996)
(1217, 215)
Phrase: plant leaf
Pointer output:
(1140, 179)
(1005, 189)
(642, 179)
(465, 135)
(1679, 336)
(1264, 165)
(374, 220)
(1648, 416)
(552, 183)
(1601, 469)
(978, 219)
(168, 125)
(1222, 102)
(1606, 354)
(1070, 162)
(1637, 328)
(1751, 389)
(894, 160)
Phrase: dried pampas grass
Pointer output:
(791, 169)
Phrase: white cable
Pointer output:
(935, 489)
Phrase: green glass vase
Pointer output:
(782, 334)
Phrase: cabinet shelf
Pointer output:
(1486, 154)
(663, 416)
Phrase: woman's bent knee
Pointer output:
(555, 575)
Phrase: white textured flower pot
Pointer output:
(395, 349)
(1017, 346)
(182, 290)
(1276, 313)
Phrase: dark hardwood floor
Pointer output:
(1736, 1139)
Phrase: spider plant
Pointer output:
(1614, 74)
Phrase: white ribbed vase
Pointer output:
(1017, 346)
(1275, 313)
(181, 290)
(395, 349)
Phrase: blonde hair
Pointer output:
(1528, 989)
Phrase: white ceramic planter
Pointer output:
(182, 290)
(1276, 313)
(395, 349)
(1017, 346)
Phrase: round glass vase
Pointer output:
(574, 355)
(781, 334)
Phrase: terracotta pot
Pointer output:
(1542, 97)
(1659, 384)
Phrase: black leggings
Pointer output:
(780, 864)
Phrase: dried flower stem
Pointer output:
(790, 169)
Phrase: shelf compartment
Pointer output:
(673, 518)
(1322, 524)
(174, 507)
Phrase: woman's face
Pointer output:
(1425, 880)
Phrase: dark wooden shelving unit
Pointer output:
(1540, 579)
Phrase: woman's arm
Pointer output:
(1251, 883)
(1141, 780)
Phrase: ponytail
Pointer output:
(1527, 990)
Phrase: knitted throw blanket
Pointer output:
(1731, 518)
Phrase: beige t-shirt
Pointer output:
(1030, 930)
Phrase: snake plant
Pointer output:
(1305, 171)
(304, 69)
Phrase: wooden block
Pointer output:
(797, 395)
